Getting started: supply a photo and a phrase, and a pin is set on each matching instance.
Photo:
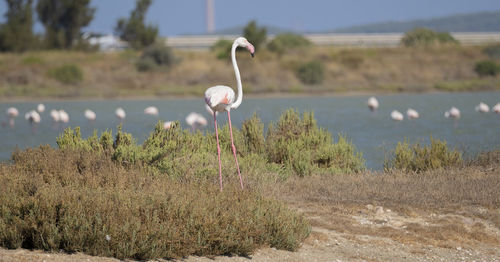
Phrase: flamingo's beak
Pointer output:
(251, 49)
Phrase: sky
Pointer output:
(178, 17)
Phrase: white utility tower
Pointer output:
(210, 16)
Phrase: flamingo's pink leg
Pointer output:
(218, 151)
(234, 148)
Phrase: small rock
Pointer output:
(369, 207)
(379, 210)
(459, 248)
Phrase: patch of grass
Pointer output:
(311, 73)
(418, 158)
(33, 60)
(487, 68)
(67, 74)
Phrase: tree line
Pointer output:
(63, 21)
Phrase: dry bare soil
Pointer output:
(451, 215)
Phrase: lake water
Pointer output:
(372, 133)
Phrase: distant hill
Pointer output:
(474, 22)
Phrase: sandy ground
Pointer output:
(361, 233)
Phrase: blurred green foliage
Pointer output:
(254, 34)
(426, 37)
(487, 68)
(133, 30)
(288, 41)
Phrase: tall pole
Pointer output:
(210, 16)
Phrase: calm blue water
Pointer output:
(373, 134)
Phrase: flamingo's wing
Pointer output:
(219, 95)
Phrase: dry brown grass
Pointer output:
(446, 208)
(449, 68)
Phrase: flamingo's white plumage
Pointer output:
(412, 113)
(40, 108)
(372, 103)
(151, 110)
(396, 115)
(33, 117)
(120, 113)
(482, 108)
(195, 120)
(54, 114)
(452, 113)
(63, 116)
(90, 115)
(496, 108)
(12, 113)
(222, 98)
(167, 125)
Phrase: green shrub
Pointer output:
(78, 201)
(283, 42)
(493, 51)
(311, 73)
(222, 49)
(303, 148)
(156, 56)
(487, 68)
(67, 74)
(426, 37)
(255, 35)
(420, 158)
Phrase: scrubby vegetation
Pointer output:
(157, 56)
(426, 37)
(344, 70)
(67, 74)
(288, 41)
(416, 157)
(106, 195)
(311, 72)
(487, 68)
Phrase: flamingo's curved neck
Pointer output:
(238, 78)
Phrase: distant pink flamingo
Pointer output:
(222, 98)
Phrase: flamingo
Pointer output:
(196, 120)
(63, 116)
(90, 115)
(54, 114)
(12, 113)
(151, 110)
(222, 98)
(396, 115)
(372, 103)
(120, 113)
(496, 108)
(33, 117)
(453, 113)
(167, 125)
(412, 113)
(40, 108)
(482, 108)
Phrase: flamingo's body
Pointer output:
(396, 115)
(54, 114)
(120, 113)
(412, 113)
(452, 113)
(33, 117)
(12, 113)
(40, 108)
(167, 125)
(496, 108)
(151, 110)
(90, 115)
(63, 116)
(196, 120)
(222, 98)
(372, 103)
(482, 108)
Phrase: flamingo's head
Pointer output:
(243, 42)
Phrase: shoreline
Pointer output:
(251, 95)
